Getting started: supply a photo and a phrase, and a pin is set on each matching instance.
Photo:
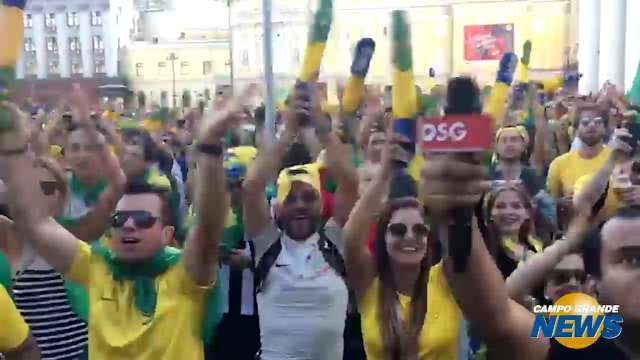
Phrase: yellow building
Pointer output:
(196, 65)
(438, 31)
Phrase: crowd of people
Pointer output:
(180, 237)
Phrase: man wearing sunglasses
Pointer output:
(590, 124)
(147, 301)
(302, 296)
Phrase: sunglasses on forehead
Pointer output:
(586, 121)
(141, 219)
(559, 277)
(401, 230)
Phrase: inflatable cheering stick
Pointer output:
(404, 90)
(317, 42)
(498, 98)
(11, 38)
(359, 69)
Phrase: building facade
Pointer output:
(439, 30)
(192, 66)
(75, 39)
(176, 52)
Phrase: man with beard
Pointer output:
(590, 122)
(612, 258)
(302, 296)
(511, 143)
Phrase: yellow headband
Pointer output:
(308, 174)
(520, 130)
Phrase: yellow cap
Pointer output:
(308, 173)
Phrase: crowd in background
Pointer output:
(135, 234)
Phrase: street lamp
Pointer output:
(173, 59)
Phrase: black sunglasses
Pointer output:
(141, 219)
(400, 230)
(559, 277)
(48, 187)
(307, 197)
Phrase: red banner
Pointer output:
(487, 42)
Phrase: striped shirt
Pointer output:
(39, 293)
(238, 286)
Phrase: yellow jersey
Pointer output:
(611, 203)
(440, 334)
(566, 169)
(118, 330)
(14, 330)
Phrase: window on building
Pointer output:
(185, 68)
(99, 67)
(76, 68)
(74, 45)
(96, 18)
(72, 19)
(139, 69)
(98, 44)
(163, 69)
(207, 67)
(54, 67)
(28, 21)
(50, 20)
(29, 45)
(52, 44)
(245, 58)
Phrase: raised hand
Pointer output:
(453, 181)
(213, 127)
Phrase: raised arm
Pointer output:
(262, 171)
(455, 181)
(534, 271)
(339, 162)
(358, 258)
(586, 198)
(55, 244)
(211, 197)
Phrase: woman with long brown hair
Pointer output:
(510, 225)
(407, 309)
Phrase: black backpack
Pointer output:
(328, 249)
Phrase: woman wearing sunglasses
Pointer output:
(407, 309)
(39, 292)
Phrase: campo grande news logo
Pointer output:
(577, 321)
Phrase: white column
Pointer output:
(63, 44)
(612, 38)
(41, 45)
(588, 44)
(109, 36)
(20, 66)
(632, 45)
(86, 43)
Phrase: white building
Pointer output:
(75, 38)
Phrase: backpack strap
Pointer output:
(601, 200)
(265, 263)
(331, 254)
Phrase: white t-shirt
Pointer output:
(303, 302)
